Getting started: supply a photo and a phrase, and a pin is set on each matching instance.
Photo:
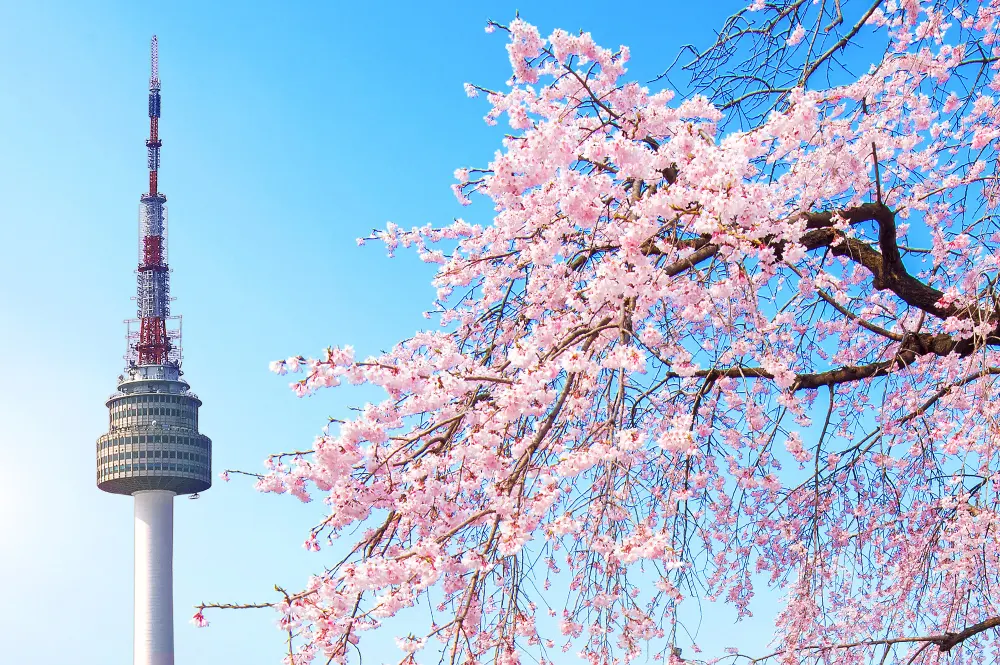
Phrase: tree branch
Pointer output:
(949, 641)
(912, 347)
(886, 266)
(945, 642)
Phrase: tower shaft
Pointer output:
(154, 578)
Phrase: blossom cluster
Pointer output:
(685, 359)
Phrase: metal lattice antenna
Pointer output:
(154, 77)
(153, 291)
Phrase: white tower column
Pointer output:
(154, 578)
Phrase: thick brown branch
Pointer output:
(912, 348)
(948, 641)
(819, 221)
(706, 250)
(945, 642)
(887, 274)
(886, 266)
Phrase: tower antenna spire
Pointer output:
(153, 291)
(154, 61)
(153, 144)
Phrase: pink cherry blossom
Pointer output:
(708, 343)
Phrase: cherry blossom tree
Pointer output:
(737, 337)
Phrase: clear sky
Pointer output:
(289, 129)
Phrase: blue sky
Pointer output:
(288, 131)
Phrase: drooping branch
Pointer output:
(945, 642)
(913, 347)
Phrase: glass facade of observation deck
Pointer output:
(153, 440)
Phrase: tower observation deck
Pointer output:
(153, 450)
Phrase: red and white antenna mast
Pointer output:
(153, 346)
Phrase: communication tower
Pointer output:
(153, 450)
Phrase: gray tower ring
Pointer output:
(153, 441)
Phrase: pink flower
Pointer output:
(679, 336)
(796, 35)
